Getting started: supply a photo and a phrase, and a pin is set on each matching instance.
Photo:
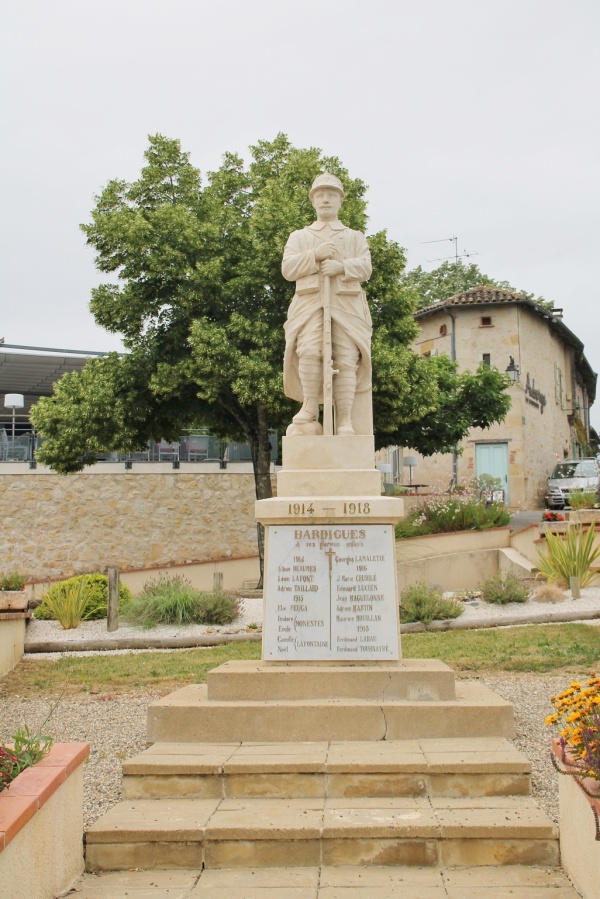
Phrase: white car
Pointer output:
(569, 476)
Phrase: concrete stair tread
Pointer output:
(197, 820)
(343, 882)
(194, 695)
(434, 756)
(416, 679)
(191, 715)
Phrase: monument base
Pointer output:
(330, 589)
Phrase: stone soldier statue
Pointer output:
(328, 262)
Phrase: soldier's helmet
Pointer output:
(327, 180)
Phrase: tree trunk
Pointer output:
(261, 461)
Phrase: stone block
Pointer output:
(353, 453)
(410, 679)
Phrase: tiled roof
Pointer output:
(486, 293)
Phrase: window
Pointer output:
(443, 330)
(486, 321)
(486, 359)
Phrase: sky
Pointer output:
(477, 119)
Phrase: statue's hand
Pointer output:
(324, 251)
(332, 267)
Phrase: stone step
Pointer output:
(191, 716)
(410, 679)
(229, 833)
(343, 882)
(448, 767)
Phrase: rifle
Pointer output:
(328, 370)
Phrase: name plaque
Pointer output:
(331, 593)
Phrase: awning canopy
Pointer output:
(33, 371)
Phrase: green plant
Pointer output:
(454, 513)
(70, 606)
(173, 600)
(96, 597)
(502, 589)
(25, 749)
(422, 603)
(11, 581)
(583, 499)
(569, 555)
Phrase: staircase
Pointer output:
(326, 780)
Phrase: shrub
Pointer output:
(11, 581)
(173, 600)
(422, 603)
(570, 557)
(70, 606)
(502, 589)
(452, 514)
(583, 499)
(26, 750)
(96, 597)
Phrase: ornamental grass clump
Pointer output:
(569, 556)
(69, 606)
(87, 593)
(422, 603)
(173, 600)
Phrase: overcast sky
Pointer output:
(477, 118)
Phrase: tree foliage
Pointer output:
(197, 294)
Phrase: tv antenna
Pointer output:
(456, 256)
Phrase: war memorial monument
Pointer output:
(330, 585)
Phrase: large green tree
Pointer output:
(197, 294)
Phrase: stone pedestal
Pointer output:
(330, 571)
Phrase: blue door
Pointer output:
(492, 459)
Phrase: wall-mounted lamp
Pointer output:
(512, 371)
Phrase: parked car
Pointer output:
(569, 476)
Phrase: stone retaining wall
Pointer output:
(57, 526)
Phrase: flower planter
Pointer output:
(13, 601)
(579, 849)
(584, 516)
(554, 527)
(41, 825)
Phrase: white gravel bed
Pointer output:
(47, 631)
(475, 611)
(480, 611)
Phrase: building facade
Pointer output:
(552, 392)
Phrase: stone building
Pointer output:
(552, 392)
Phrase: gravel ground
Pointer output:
(115, 725)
